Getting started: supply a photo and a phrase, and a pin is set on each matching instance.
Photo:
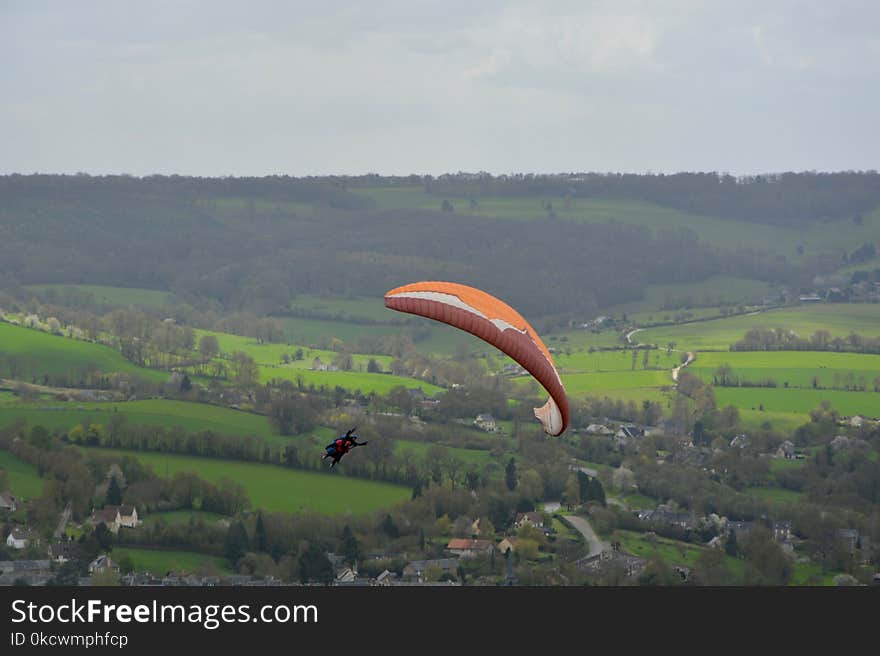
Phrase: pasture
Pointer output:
(617, 361)
(798, 401)
(661, 302)
(279, 489)
(774, 494)
(174, 517)
(785, 422)
(821, 236)
(477, 457)
(192, 417)
(33, 354)
(272, 353)
(24, 481)
(796, 368)
(104, 295)
(672, 552)
(723, 232)
(839, 319)
(161, 561)
(350, 380)
(428, 337)
(347, 309)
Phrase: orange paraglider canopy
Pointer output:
(481, 314)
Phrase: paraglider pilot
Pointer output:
(340, 446)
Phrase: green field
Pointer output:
(269, 358)
(428, 337)
(160, 561)
(778, 420)
(775, 494)
(672, 552)
(839, 319)
(24, 481)
(39, 354)
(104, 295)
(346, 309)
(350, 380)
(271, 354)
(724, 232)
(619, 361)
(468, 456)
(279, 489)
(182, 517)
(636, 385)
(710, 293)
(842, 234)
(797, 368)
(598, 383)
(781, 464)
(798, 401)
(154, 412)
(807, 573)
(581, 339)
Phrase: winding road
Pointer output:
(582, 525)
(596, 546)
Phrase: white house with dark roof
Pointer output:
(116, 517)
(20, 538)
(486, 422)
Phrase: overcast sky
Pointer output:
(403, 86)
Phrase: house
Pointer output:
(32, 572)
(740, 441)
(534, 518)
(386, 578)
(740, 528)
(128, 516)
(507, 544)
(20, 538)
(116, 517)
(467, 548)
(785, 450)
(486, 422)
(599, 429)
(109, 516)
(613, 558)
(629, 432)
(8, 502)
(416, 394)
(102, 564)
(417, 569)
(782, 531)
(664, 514)
(60, 552)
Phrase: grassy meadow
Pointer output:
(795, 368)
(841, 234)
(161, 561)
(152, 412)
(278, 489)
(839, 319)
(40, 354)
(24, 481)
(106, 295)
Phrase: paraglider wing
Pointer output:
(495, 322)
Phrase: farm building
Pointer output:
(466, 548)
